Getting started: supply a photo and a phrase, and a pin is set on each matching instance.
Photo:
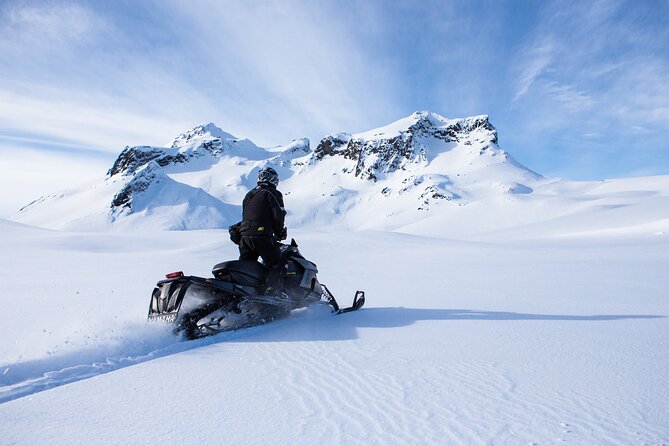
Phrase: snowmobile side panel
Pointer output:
(309, 279)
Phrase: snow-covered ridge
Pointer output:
(406, 141)
(203, 140)
(423, 173)
(424, 123)
(199, 133)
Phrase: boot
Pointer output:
(274, 282)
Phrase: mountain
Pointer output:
(422, 174)
(174, 187)
(418, 166)
(408, 167)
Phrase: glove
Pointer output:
(283, 234)
(235, 233)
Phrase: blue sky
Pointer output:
(576, 89)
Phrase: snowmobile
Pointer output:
(233, 298)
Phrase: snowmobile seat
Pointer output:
(241, 272)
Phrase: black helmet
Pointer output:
(268, 175)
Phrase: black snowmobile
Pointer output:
(231, 299)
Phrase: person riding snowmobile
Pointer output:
(263, 217)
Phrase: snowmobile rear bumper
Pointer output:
(168, 295)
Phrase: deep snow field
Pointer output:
(504, 341)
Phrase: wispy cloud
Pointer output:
(569, 96)
(62, 80)
(269, 71)
(297, 63)
(639, 95)
(590, 75)
(534, 62)
(98, 122)
(41, 28)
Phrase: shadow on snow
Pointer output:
(312, 324)
(345, 327)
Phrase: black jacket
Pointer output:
(263, 212)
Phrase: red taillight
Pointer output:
(175, 275)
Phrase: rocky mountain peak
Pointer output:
(332, 145)
(428, 124)
(290, 153)
(202, 140)
(299, 146)
(395, 146)
(201, 132)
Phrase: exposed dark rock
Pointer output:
(374, 157)
(140, 183)
(330, 145)
(132, 158)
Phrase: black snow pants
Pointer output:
(250, 247)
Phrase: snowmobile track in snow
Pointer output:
(27, 378)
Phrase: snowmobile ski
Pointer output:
(358, 301)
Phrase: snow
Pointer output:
(399, 126)
(502, 340)
(503, 307)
